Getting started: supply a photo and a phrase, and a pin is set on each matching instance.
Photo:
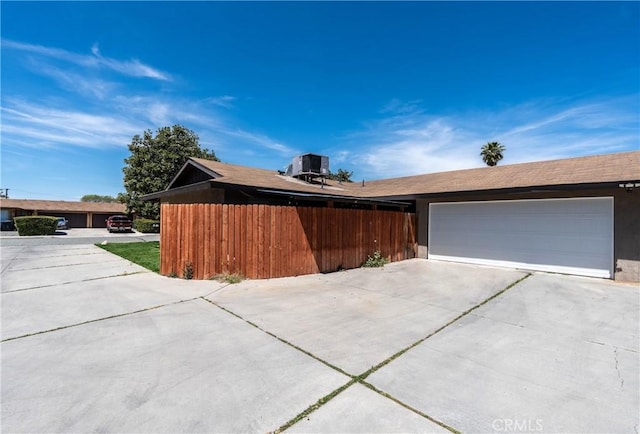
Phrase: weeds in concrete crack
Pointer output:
(213, 292)
(322, 401)
(373, 369)
(44, 267)
(77, 281)
(313, 407)
(361, 378)
(95, 320)
(284, 341)
(408, 407)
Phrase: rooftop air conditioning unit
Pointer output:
(309, 166)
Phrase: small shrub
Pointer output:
(36, 225)
(187, 273)
(375, 260)
(228, 278)
(173, 274)
(147, 226)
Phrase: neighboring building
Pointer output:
(79, 214)
(576, 216)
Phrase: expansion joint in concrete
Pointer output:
(322, 401)
(375, 368)
(97, 320)
(78, 281)
(313, 407)
(44, 267)
(324, 362)
(361, 378)
(11, 261)
(408, 407)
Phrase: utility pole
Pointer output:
(4, 194)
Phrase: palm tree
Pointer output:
(492, 153)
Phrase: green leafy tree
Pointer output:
(491, 153)
(121, 198)
(154, 161)
(98, 198)
(341, 175)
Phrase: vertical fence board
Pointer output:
(205, 252)
(198, 254)
(236, 238)
(231, 211)
(228, 229)
(264, 243)
(189, 239)
(164, 235)
(288, 248)
(256, 243)
(178, 241)
(215, 238)
(249, 224)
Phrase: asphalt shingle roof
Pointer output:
(268, 179)
(595, 169)
(63, 206)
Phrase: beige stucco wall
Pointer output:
(626, 223)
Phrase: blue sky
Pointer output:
(384, 89)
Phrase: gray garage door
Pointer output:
(100, 220)
(76, 220)
(573, 236)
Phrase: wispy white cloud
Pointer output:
(340, 156)
(90, 107)
(133, 67)
(28, 124)
(409, 141)
(42, 126)
(225, 101)
(75, 82)
(397, 106)
(261, 140)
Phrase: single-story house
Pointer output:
(576, 216)
(79, 214)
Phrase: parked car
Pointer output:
(63, 223)
(7, 225)
(119, 223)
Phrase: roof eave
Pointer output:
(328, 197)
(508, 190)
(203, 185)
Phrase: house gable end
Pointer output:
(192, 173)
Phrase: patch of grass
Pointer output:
(228, 278)
(145, 254)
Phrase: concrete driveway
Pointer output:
(93, 343)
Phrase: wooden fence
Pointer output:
(264, 241)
